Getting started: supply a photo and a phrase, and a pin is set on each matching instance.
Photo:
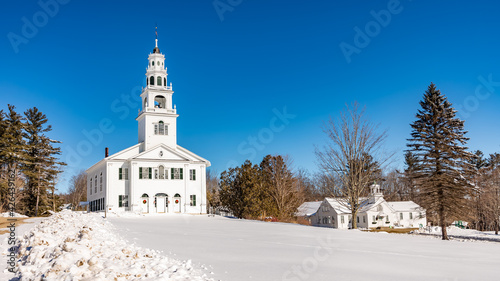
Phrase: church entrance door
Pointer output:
(160, 202)
(177, 203)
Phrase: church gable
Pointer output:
(161, 152)
(126, 153)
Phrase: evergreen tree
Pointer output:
(443, 163)
(240, 190)
(12, 146)
(409, 191)
(40, 165)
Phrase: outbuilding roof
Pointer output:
(308, 208)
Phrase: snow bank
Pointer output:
(76, 246)
(7, 214)
(456, 232)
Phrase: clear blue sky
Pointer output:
(232, 69)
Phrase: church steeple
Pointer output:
(157, 119)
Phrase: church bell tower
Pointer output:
(157, 119)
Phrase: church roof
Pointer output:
(400, 206)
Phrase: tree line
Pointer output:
(27, 151)
(440, 172)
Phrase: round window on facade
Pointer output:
(153, 63)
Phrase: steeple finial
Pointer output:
(156, 33)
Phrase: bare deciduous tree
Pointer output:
(213, 189)
(281, 185)
(352, 156)
(78, 190)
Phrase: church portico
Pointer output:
(156, 175)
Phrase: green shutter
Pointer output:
(194, 178)
(150, 172)
(172, 173)
(120, 199)
(181, 173)
(140, 172)
(194, 200)
(119, 173)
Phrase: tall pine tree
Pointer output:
(12, 145)
(41, 166)
(442, 161)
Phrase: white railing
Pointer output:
(159, 110)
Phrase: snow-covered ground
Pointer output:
(251, 250)
(20, 230)
(76, 246)
(459, 233)
(16, 215)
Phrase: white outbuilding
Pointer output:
(374, 212)
(156, 175)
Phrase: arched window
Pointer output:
(162, 172)
(152, 80)
(90, 185)
(161, 128)
(145, 195)
(145, 103)
(147, 81)
(160, 102)
(100, 183)
(164, 81)
(158, 80)
(153, 63)
(95, 185)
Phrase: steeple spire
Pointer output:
(156, 33)
(156, 50)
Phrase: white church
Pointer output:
(156, 175)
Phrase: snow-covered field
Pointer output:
(459, 233)
(251, 250)
(76, 246)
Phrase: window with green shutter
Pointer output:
(192, 200)
(140, 172)
(120, 173)
(192, 174)
(120, 200)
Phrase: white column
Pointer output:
(186, 176)
(203, 195)
(131, 184)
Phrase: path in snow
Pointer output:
(251, 250)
